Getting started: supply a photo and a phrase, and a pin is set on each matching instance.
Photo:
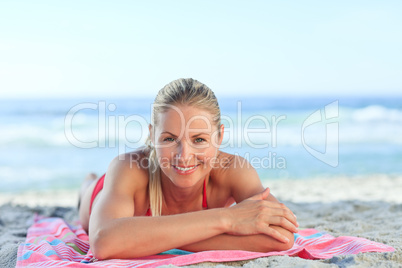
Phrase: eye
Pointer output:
(168, 139)
(198, 140)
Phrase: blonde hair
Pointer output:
(179, 92)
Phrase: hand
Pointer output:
(255, 215)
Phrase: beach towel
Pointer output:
(53, 242)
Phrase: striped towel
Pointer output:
(52, 242)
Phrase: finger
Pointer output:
(265, 193)
(275, 234)
(261, 196)
(282, 210)
(282, 213)
(290, 215)
(283, 222)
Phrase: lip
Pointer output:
(179, 169)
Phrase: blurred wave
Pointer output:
(38, 138)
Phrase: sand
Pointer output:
(365, 206)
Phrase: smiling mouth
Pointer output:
(185, 168)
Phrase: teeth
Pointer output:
(185, 169)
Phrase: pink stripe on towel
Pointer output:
(51, 242)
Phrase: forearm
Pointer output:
(142, 236)
(256, 243)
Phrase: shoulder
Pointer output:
(233, 167)
(128, 170)
(238, 174)
(125, 189)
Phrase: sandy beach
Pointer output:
(369, 207)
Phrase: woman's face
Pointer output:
(186, 142)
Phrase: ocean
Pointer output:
(53, 143)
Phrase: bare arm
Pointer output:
(245, 183)
(276, 237)
(115, 233)
(131, 237)
(256, 243)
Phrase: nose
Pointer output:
(184, 152)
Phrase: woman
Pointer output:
(178, 191)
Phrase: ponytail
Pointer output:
(154, 184)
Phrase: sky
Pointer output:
(243, 48)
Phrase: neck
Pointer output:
(180, 200)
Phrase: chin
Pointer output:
(184, 181)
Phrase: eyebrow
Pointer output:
(167, 132)
(193, 136)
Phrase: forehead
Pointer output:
(187, 117)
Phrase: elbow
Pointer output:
(105, 246)
(269, 244)
(291, 241)
(288, 245)
(280, 246)
(99, 246)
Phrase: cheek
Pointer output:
(163, 156)
(207, 155)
